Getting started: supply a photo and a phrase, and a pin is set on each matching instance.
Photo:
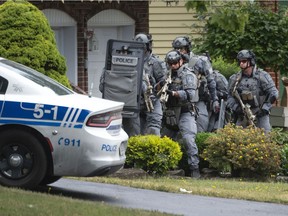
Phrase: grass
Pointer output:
(21, 203)
(274, 192)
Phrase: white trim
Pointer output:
(110, 17)
(58, 18)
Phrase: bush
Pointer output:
(281, 138)
(225, 68)
(27, 38)
(248, 149)
(284, 160)
(153, 154)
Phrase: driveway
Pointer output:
(179, 204)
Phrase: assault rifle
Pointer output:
(147, 94)
(245, 108)
(162, 93)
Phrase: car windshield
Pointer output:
(36, 77)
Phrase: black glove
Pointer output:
(272, 99)
(169, 92)
(162, 83)
(202, 83)
(239, 111)
(262, 112)
(239, 90)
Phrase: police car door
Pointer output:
(123, 74)
(3, 88)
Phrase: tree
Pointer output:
(243, 25)
(26, 37)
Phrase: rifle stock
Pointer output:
(147, 94)
(162, 93)
(246, 109)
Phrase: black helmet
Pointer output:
(247, 54)
(182, 42)
(173, 57)
(146, 38)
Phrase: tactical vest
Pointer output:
(181, 81)
(251, 89)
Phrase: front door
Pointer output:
(97, 44)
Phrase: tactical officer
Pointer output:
(253, 89)
(179, 115)
(154, 73)
(222, 94)
(206, 84)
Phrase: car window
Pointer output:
(3, 85)
(36, 77)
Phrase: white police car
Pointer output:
(48, 131)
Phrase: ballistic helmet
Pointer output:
(182, 42)
(146, 38)
(247, 54)
(173, 57)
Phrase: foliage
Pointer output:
(281, 138)
(245, 149)
(200, 140)
(153, 154)
(238, 26)
(199, 6)
(284, 159)
(26, 37)
(224, 67)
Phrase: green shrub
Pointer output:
(284, 160)
(246, 149)
(225, 68)
(26, 37)
(153, 154)
(281, 138)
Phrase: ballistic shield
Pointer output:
(123, 74)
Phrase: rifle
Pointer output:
(162, 93)
(245, 108)
(147, 94)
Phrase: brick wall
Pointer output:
(277, 79)
(272, 4)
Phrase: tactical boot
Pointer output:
(195, 174)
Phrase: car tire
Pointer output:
(50, 179)
(23, 162)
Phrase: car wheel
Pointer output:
(50, 179)
(23, 161)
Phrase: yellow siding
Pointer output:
(168, 22)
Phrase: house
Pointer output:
(82, 29)
(167, 20)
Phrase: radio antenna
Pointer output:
(91, 88)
